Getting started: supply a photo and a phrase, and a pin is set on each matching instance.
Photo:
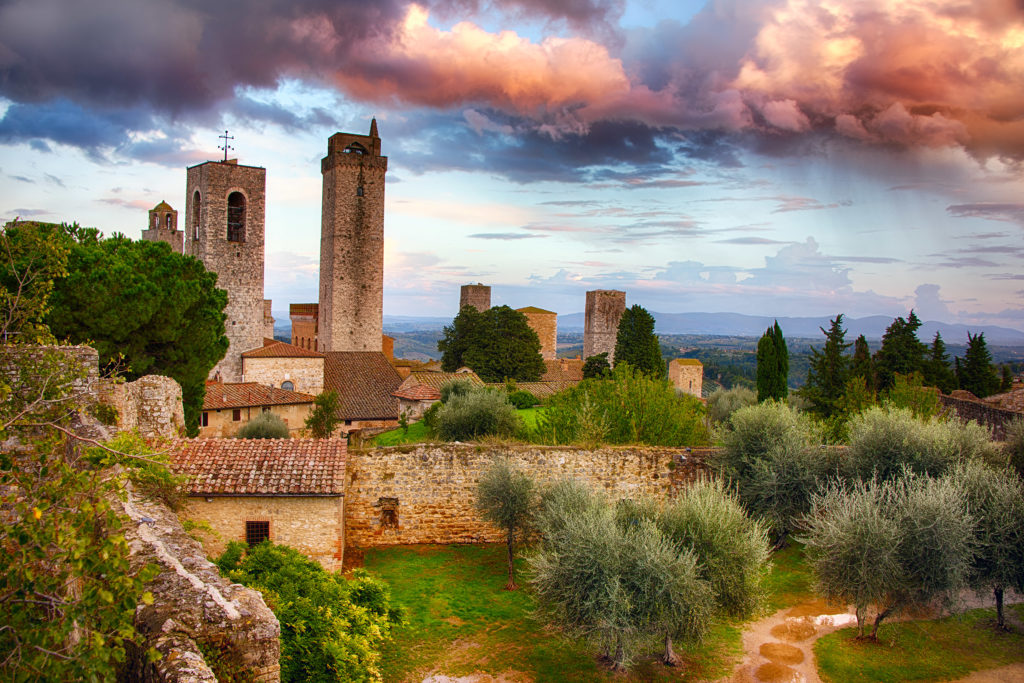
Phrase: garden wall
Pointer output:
(982, 413)
(425, 493)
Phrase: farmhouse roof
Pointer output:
(220, 396)
(280, 349)
(266, 467)
(417, 392)
(563, 370)
(364, 381)
(439, 379)
(540, 389)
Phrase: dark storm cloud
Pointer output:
(68, 123)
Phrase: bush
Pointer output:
(522, 399)
(1014, 445)
(480, 412)
(722, 403)
(456, 387)
(263, 426)
(627, 408)
(429, 417)
(331, 628)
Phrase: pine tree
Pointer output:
(977, 374)
(1005, 379)
(829, 372)
(901, 352)
(636, 343)
(863, 366)
(772, 365)
(937, 372)
(497, 344)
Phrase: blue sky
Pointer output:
(780, 158)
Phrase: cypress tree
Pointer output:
(901, 352)
(772, 365)
(828, 372)
(636, 343)
(863, 366)
(937, 372)
(977, 374)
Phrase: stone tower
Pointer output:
(351, 312)
(545, 324)
(163, 227)
(687, 375)
(478, 296)
(601, 322)
(224, 226)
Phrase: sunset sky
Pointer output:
(784, 157)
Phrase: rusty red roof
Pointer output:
(265, 467)
(418, 392)
(563, 370)
(280, 349)
(439, 379)
(220, 396)
(364, 381)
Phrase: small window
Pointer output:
(236, 415)
(197, 204)
(265, 409)
(359, 191)
(257, 532)
(348, 423)
(156, 219)
(287, 386)
(168, 221)
(236, 217)
(205, 419)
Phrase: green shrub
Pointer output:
(722, 403)
(332, 629)
(429, 417)
(1014, 445)
(480, 412)
(456, 387)
(263, 426)
(323, 419)
(522, 399)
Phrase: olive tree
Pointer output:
(504, 497)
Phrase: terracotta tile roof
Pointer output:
(220, 396)
(280, 349)
(541, 390)
(364, 381)
(304, 309)
(439, 379)
(417, 392)
(268, 467)
(563, 370)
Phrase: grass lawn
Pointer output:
(790, 581)
(418, 431)
(462, 621)
(940, 650)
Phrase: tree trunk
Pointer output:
(878, 620)
(1000, 622)
(618, 663)
(670, 658)
(511, 585)
(859, 612)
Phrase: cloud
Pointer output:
(141, 204)
(1008, 212)
(929, 305)
(751, 241)
(504, 236)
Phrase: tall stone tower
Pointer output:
(545, 324)
(601, 322)
(224, 225)
(351, 314)
(163, 227)
(478, 296)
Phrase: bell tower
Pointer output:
(352, 243)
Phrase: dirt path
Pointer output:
(780, 648)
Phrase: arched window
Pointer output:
(236, 217)
(287, 386)
(355, 148)
(168, 221)
(197, 204)
(155, 219)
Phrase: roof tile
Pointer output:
(280, 349)
(364, 381)
(220, 396)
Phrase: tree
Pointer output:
(144, 308)
(772, 365)
(901, 351)
(996, 501)
(323, 419)
(596, 366)
(504, 497)
(894, 544)
(828, 372)
(479, 412)
(937, 370)
(263, 426)
(1005, 378)
(636, 343)
(722, 403)
(497, 344)
(1014, 445)
(34, 256)
(977, 374)
(862, 365)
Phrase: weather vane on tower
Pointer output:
(226, 146)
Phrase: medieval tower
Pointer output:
(351, 312)
(478, 296)
(601, 322)
(163, 227)
(224, 227)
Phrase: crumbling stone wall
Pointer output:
(192, 605)
(151, 404)
(425, 493)
(995, 418)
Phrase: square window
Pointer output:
(205, 421)
(256, 532)
(236, 415)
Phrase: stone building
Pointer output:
(563, 370)
(305, 324)
(285, 366)
(352, 243)
(365, 382)
(224, 224)
(687, 375)
(229, 407)
(545, 324)
(601, 322)
(478, 296)
(268, 319)
(163, 227)
(290, 491)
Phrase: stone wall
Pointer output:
(982, 413)
(313, 525)
(151, 404)
(601, 322)
(306, 374)
(425, 493)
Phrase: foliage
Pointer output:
(456, 387)
(480, 412)
(901, 352)
(862, 365)
(266, 425)
(1014, 445)
(34, 257)
(772, 365)
(1005, 378)
(828, 373)
(504, 497)
(731, 548)
(596, 366)
(636, 344)
(722, 403)
(977, 374)
(522, 399)
(146, 468)
(937, 370)
(429, 418)
(140, 304)
(323, 419)
(629, 407)
(995, 500)
(894, 544)
(331, 628)
(496, 344)
(910, 392)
